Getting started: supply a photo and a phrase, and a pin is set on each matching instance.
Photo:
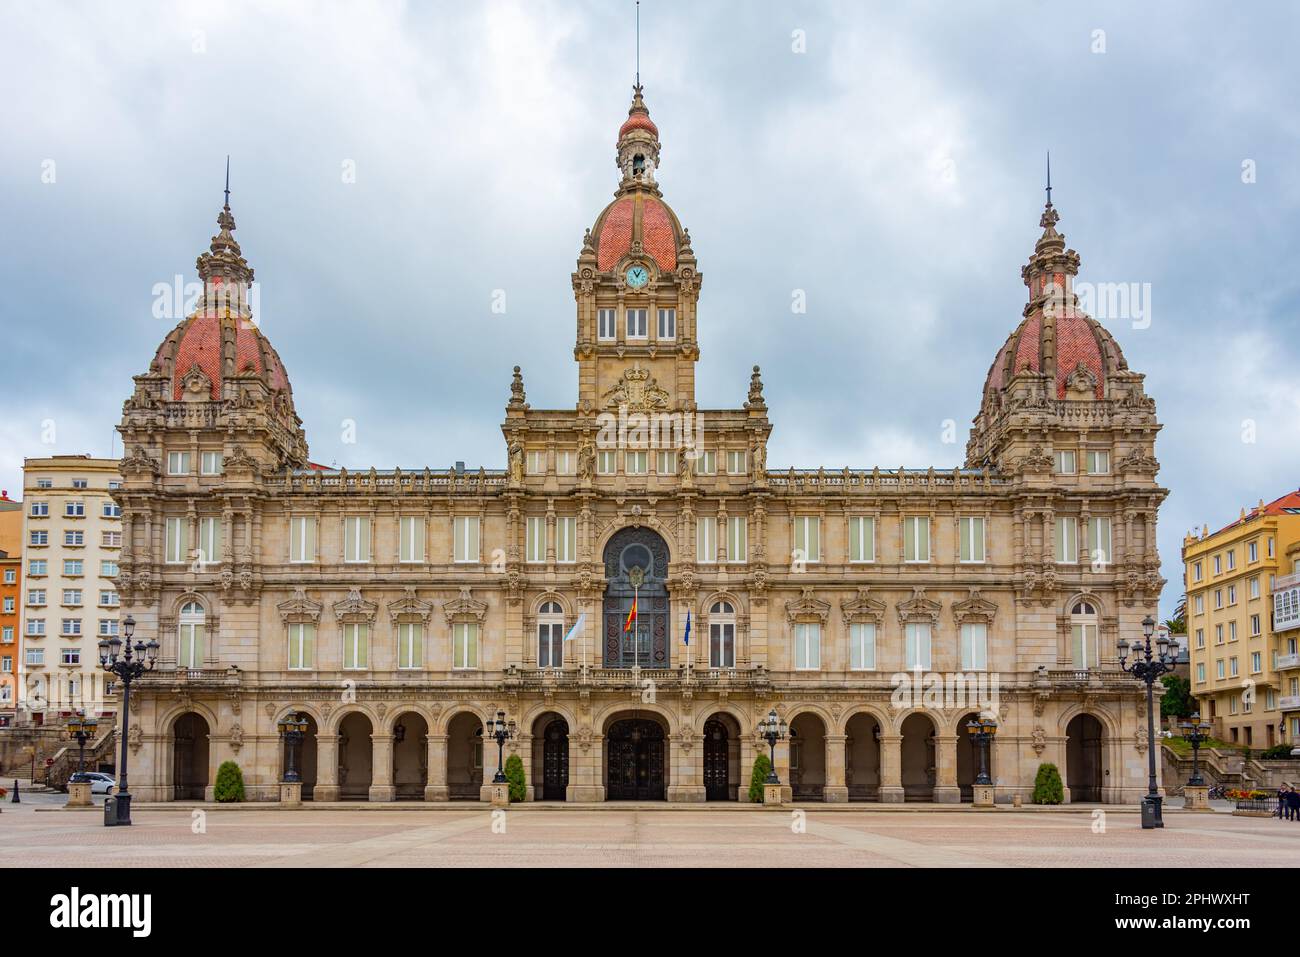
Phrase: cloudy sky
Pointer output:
(886, 159)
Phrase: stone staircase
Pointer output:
(99, 751)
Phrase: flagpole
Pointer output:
(636, 625)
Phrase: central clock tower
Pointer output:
(636, 287)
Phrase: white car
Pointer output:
(99, 783)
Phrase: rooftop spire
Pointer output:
(227, 203)
(1049, 179)
(638, 43)
(225, 272)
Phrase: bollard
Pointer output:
(14, 799)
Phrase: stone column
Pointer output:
(946, 790)
(748, 754)
(436, 787)
(586, 769)
(686, 781)
(835, 790)
(381, 768)
(891, 768)
(327, 768)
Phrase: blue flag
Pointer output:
(687, 638)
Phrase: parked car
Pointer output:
(99, 783)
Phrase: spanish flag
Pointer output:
(631, 616)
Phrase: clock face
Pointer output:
(638, 276)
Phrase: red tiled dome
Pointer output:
(638, 121)
(632, 217)
(197, 343)
(1080, 342)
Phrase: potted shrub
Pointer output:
(514, 772)
(762, 766)
(1048, 788)
(229, 788)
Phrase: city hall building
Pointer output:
(398, 608)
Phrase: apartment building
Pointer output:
(11, 576)
(72, 537)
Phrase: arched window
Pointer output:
(1083, 635)
(189, 644)
(722, 635)
(550, 636)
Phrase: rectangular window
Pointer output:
(807, 538)
(566, 463)
(1098, 463)
(73, 567)
(410, 645)
(74, 509)
(1232, 631)
(972, 539)
(9, 605)
(410, 534)
(1218, 598)
(737, 539)
(7, 636)
(71, 656)
(41, 537)
(974, 646)
(79, 483)
(356, 539)
(535, 529)
(1067, 540)
(1256, 662)
(706, 539)
(111, 510)
(566, 539)
(209, 540)
(606, 462)
(1197, 572)
(108, 569)
(722, 644)
(71, 596)
(550, 644)
(178, 463)
(1200, 604)
(356, 646)
(917, 642)
(108, 599)
(1218, 565)
(535, 462)
(636, 461)
(1254, 625)
(737, 462)
(1232, 559)
(1232, 594)
(36, 656)
(464, 645)
(74, 539)
(36, 596)
(1232, 667)
(40, 509)
(667, 323)
(302, 540)
(1200, 637)
(1200, 673)
(706, 463)
(7, 664)
(916, 539)
(1254, 588)
(1083, 641)
(666, 462)
(1065, 463)
(465, 529)
(1099, 540)
(189, 648)
(1218, 634)
(862, 539)
(1218, 668)
(807, 646)
(210, 463)
(177, 533)
(110, 539)
(862, 646)
(605, 324)
(71, 626)
(636, 323)
(302, 646)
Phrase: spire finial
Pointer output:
(1049, 178)
(227, 181)
(638, 42)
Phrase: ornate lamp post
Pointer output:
(128, 664)
(1148, 665)
(292, 728)
(1195, 731)
(502, 731)
(981, 732)
(83, 729)
(772, 729)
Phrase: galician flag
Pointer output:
(577, 626)
(687, 638)
(631, 616)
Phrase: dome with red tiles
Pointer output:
(637, 217)
(1056, 339)
(638, 121)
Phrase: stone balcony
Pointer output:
(1287, 662)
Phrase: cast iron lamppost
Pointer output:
(128, 665)
(772, 729)
(83, 729)
(292, 728)
(1195, 731)
(1147, 666)
(503, 731)
(981, 732)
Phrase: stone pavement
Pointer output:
(472, 836)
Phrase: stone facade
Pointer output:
(399, 608)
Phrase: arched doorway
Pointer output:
(551, 757)
(967, 759)
(305, 758)
(1083, 758)
(410, 756)
(721, 758)
(636, 568)
(807, 757)
(355, 757)
(465, 757)
(918, 765)
(189, 757)
(862, 758)
(636, 758)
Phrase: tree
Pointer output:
(229, 788)
(1177, 625)
(515, 778)
(762, 766)
(1048, 788)
(1177, 701)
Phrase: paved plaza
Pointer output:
(38, 833)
